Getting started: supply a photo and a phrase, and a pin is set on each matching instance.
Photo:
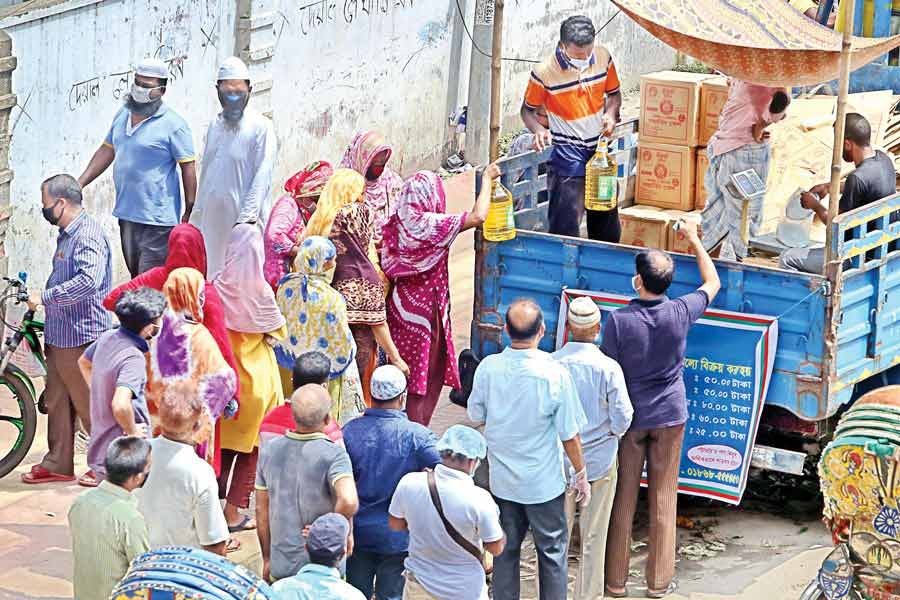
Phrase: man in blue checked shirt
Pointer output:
(80, 279)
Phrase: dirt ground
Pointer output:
(726, 553)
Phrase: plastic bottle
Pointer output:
(500, 225)
(600, 184)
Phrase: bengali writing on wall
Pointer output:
(314, 15)
(727, 369)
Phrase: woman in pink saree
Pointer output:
(414, 255)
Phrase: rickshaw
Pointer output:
(860, 478)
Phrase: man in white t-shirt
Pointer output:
(437, 564)
(180, 499)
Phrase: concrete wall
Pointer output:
(322, 69)
(532, 31)
(75, 65)
(345, 65)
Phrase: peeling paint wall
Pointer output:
(532, 31)
(74, 67)
(323, 69)
(346, 65)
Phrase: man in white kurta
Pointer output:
(236, 169)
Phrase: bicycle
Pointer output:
(24, 406)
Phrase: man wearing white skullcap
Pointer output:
(604, 398)
(384, 446)
(452, 523)
(147, 140)
(238, 160)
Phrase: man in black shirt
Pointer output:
(873, 179)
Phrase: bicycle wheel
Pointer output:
(18, 421)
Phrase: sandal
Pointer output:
(672, 587)
(89, 480)
(232, 545)
(608, 592)
(245, 524)
(39, 474)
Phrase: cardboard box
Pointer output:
(644, 226)
(713, 94)
(670, 105)
(666, 176)
(676, 240)
(699, 186)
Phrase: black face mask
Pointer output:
(233, 104)
(51, 218)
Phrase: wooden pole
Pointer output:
(834, 192)
(496, 54)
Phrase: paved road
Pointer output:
(761, 556)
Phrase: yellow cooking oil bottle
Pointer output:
(600, 180)
(500, 225)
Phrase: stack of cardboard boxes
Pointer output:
(679, 113)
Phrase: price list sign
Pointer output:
(727, 369)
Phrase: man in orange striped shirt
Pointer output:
(579, 88)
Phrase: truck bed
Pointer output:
(812, 379)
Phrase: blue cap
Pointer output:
(328, 535)
(463, 440)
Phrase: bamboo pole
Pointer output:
(834, 191)
(496, 54)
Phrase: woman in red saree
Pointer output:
(414, 255)
(186, 249)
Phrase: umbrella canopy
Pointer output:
(761, 41)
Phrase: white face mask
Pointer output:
(475, 468)
(634, 284)
(141, 95)
(579, 63)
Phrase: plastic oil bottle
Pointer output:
(600, 183)
(500, 225)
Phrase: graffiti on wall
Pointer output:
(314, 15)
(115, 85)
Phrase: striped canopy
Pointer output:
(761, 41)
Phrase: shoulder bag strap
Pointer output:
(457, 536)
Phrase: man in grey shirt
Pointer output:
(300, 477)
(601, 388)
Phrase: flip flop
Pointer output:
(39, 474)
(88, 480)
(232, 545)
(243, 525)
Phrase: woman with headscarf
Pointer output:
(317, 322)
(186, 249)
(346, 220)
(414, 255)
(368, 155)
(288, 218)
(254, 326)
(185, 350)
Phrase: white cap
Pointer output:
(583, 312)
(233, 68)
(152, 67)
(463, 440)
(388, 382)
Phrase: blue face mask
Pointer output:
(233, 104)
(579, 63)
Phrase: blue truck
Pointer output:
(813, 380)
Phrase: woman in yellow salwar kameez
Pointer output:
(254, 325)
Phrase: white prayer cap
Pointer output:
(152, 67)
(233, 68)
(583, 312)
(388, 382)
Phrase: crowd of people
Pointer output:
(336, 298)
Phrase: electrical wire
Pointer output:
(462, 17)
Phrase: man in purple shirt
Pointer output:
(648, 338)
(117, 382)
(80, 280)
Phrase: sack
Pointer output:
(486, 559)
